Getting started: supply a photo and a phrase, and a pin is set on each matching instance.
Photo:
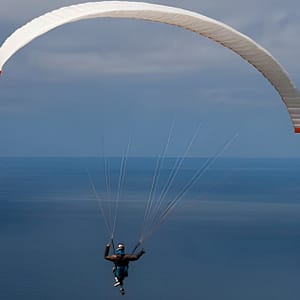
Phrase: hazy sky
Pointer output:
(107, 81)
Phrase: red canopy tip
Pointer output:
(297, 129)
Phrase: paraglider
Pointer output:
(210, 28)
(219, 32)
(121, 261)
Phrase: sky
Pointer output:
(93, 87)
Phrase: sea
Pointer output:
(234, 232)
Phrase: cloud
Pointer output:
(16, 11)
(107, 48)
(168, 59)
(275, 32)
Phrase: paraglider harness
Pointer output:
(120, 270)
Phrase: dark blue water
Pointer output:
(234, 235)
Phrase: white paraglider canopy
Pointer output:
(219, 32)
